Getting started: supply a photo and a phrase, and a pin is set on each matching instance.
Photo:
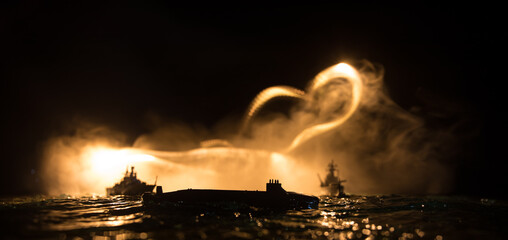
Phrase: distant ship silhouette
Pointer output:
(332, 184)
(275, 197)
(130, 185)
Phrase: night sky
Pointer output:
(116, 64)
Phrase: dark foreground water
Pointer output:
(357, 217)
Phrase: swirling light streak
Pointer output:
(338, 71)
(265, 96)
(98, 167)
(341, 70)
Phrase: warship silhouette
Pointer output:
(130, 185)
(332, 184)
(275, 197)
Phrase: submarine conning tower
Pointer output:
(274, 186)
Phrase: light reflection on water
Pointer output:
(357, 217)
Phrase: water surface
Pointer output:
(356, 217)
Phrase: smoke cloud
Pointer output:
(345, 115)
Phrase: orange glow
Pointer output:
(267, 95)
(88, 168)
(341, 70)
(338, 71)
(215, 143)
(270, 93)
(105, 161)
(105, 166)
(90, 161)
(227, 168)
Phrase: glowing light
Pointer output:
(338, 71)
(341, 70)
(104, 161)
(266, 95)
(366, 231)
(355, 227)
(215, 143)
(96, 167)
(143, 235)
(420, 233)
(278, 158)
(270, 93)
(87, 166)
(228, 167)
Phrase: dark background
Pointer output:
(112, 64)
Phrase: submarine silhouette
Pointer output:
(275, 197)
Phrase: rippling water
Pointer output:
(357, 217)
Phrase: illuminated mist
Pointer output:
(344, 115)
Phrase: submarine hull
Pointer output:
(231, 197)
(274, 198)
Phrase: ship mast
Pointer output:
(331, 168)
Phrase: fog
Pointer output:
(345, 114)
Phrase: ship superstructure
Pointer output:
(130, 185)
(332, 184)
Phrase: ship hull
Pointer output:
(335, 190)
(130, 190)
